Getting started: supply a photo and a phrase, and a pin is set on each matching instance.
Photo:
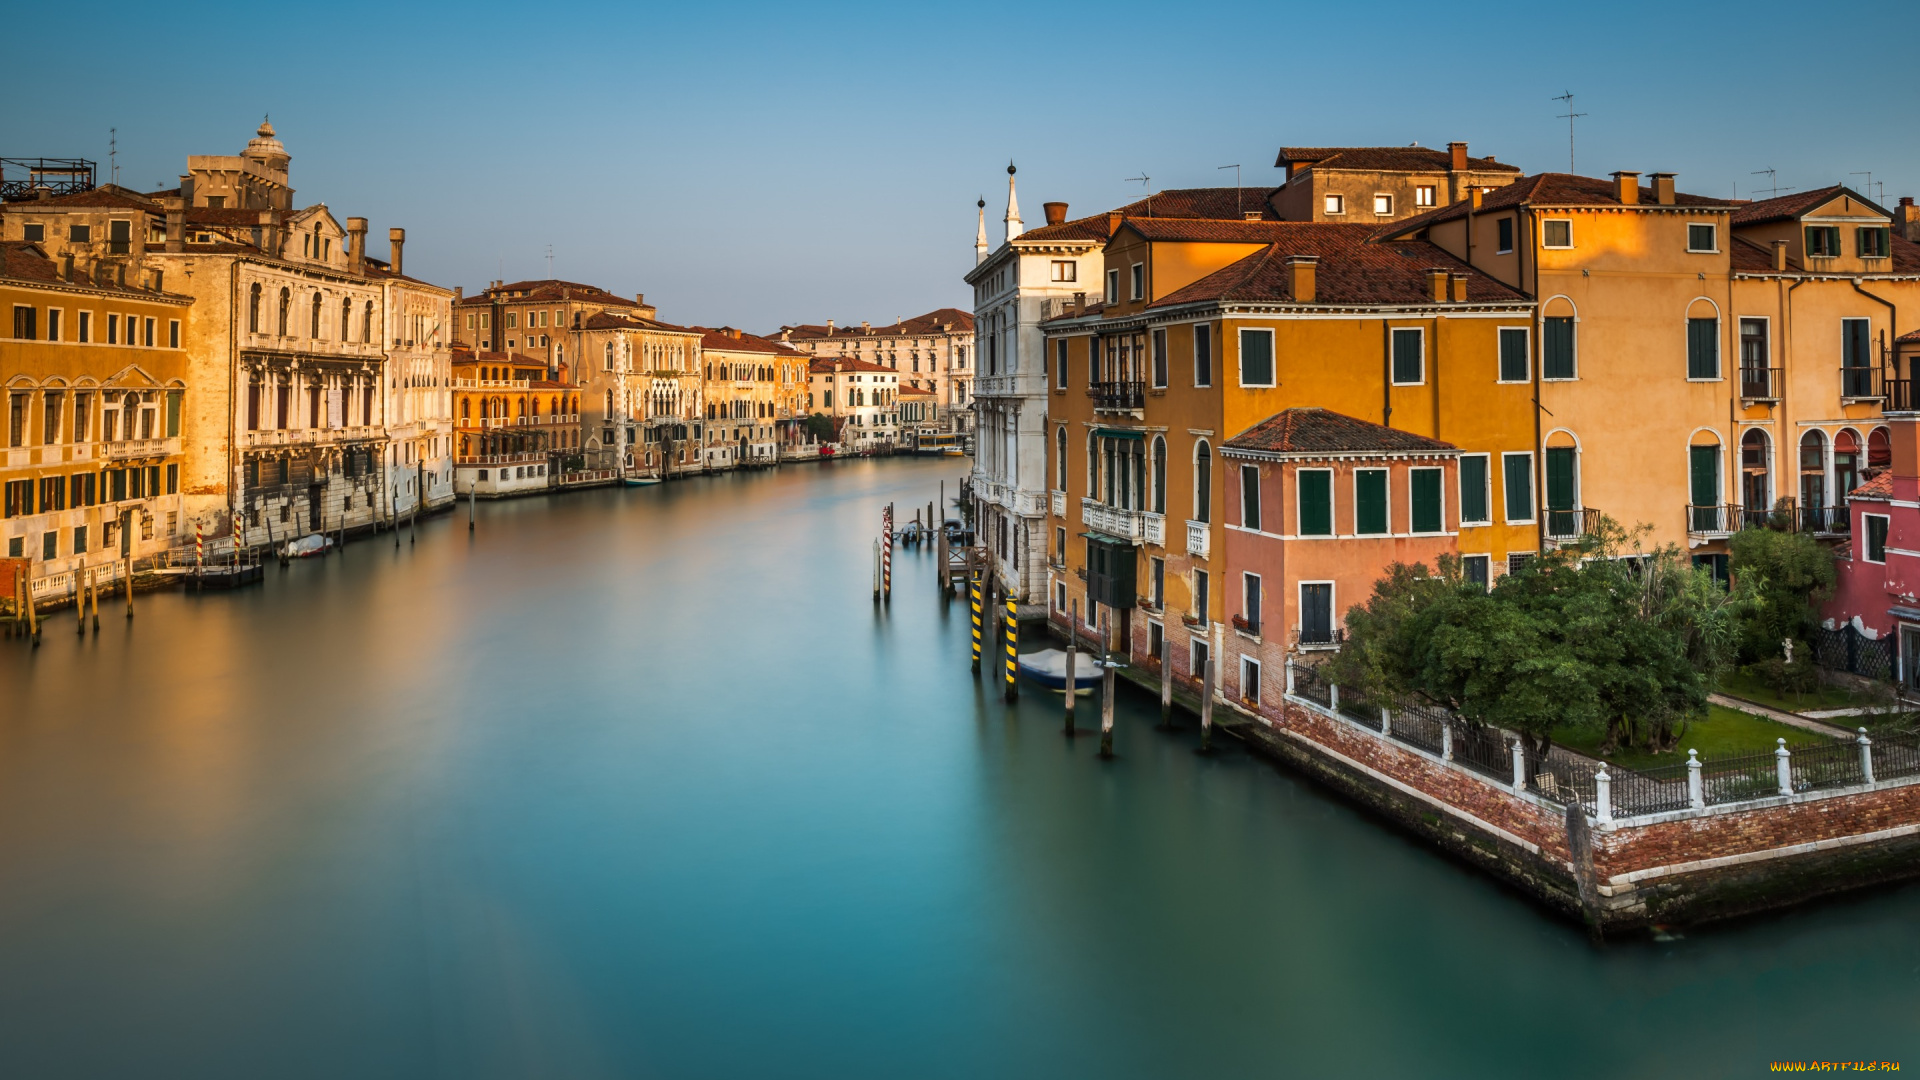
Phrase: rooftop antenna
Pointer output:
(1144, 181)
(1237, 211)
(549, 260)
(1869, 186)
(1569, 116)
(113, 154)
(1773, 188)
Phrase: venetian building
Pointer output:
(752, 386)
(934, 352)
(418, 336)
(642, 394)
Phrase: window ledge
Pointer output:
(1716, 378)
(1575, 378)
(1242, 634)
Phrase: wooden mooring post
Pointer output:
(973, 603)
(1106, 690)
(129, 582)
(1206, 707)
(1073, 637)
(1013, 648)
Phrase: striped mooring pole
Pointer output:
(886, 554)
(1013, 647)
(973, 602)
(199, 547)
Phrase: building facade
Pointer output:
(752, 387)
(418, 332)
(643, 394)
(516, 422)
(862, 401)
(934, 352)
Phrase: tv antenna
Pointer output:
(1144, 181)
(113, 155)
(1569, 116)
(1237, 211)
(1773, 188)
(1869, 175)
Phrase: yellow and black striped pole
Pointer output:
(1013, 647)
(973, 601)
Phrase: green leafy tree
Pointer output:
(1789, 575)
(820, 427)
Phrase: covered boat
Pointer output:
(310, 544)
(1048, 667)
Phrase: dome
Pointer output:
(264, 147)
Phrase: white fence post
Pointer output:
(1866, 756)
(1386, 721)
(1603, 794)
(1519, 766)
(1289, 676)
(1783, 760)
(1333, 696)
(1446, 740)
(1696, 792)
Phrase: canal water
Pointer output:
(639, 783)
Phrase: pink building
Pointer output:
(1319, 505)
(1879, 568)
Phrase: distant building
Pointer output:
(516, 421)
(756, 391)
(932, 352)
(862, 400)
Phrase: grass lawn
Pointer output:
(1724, 731)
(1823, 697)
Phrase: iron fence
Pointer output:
(1359, 708)
(1896, 755)
(1308, 684)
(1826, 764)
(1847, 649)
(1564, 776)
(1484, 750)
(1654, 791)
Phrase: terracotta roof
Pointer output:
(727, 339)
(463, 354)
(222, 215)
(1879, 486)
(107, 195)
(1091, 307)
(961, 322)
(1352, 270)
(1745, 256)
(914, 391)
(846, 363)
(1787, 207)
(1219, 204)
(549, 289)
(617, 320)
(1547, 189)
(1311, 432)
(1206, 231)
(1911, 335)
(21, 260)
(1383, 159)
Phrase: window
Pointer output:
(1876, 538)
(1315, 487)
(113, 329)
(34, 234)
(1139, 281)
(1561, 490)
(1514, 362)
(286, 308)
(1203, 354)
(25, 322)
(1428, 516)
(1703, 486)
(1159, 475)
(1060, 363)
(1335, 204)
(1113, 286)
(1558, 363)
(1157, 582)
(1250, 497)
(53, 324)
(1250, 601)
(253, 309)
(1556, 233)
(1203, 482)
(119, 237)
(1370, 502)
(1703, 348)
(1383, 205)
(1316, 613)
(1424, 195)
(173, 333)
(1475, 504)
(1856, 355)
(1872, 242)
(1065, 270)
(1250, 680)
(1475, 569)
(1160, 359)
(1703, 238)
(1409, 359)
(1256, 357)
(1517, 476)
(1823, 241)
(85, 327)
(1060, 457)
(1198, 656)
(146, 326)
(1201, 601)
(80, 234)
(50, 545)
(1503, 236)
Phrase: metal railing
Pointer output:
(1899, 395)
(1420, 726)
(1834, 520)
(1711, 520)
(1862, 382)
(1118, 395)
(1569, 524)
(1783, 516)
(1762, 383)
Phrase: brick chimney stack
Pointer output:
(1457, 156)
(1300, 277)
(1626, 188)
(357, 245)
(398, 238)
(1663, 188)
(1056, 212)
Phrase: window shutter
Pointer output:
(1473, 489)
(1426, 501)
(1518, 477)
(1316, 503)
(1559, 343)
(1370, 501)
(1704, 478)
(1250, 496)
(1703, 352)
(1560, 478)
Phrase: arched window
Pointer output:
(1879, 449)
(366, 324)
(286, 310)
(1093, 467)
(253, 309)
(315, 320)
(1203, 482)
(1756, 490)
(1159, 475)
(1060, 457)
(466, 409)
(609, 356)
(1813, 480)
(346, 316)
(609, 403)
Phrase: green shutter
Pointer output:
(1560, 478)
(1370, 502)
(1473, 489)
(1704, 475)
(1316, 503)
(1513, 354)
(1517, 472)
(1703, 349)
(1559, 348)
(173, 414)
(1426, 501)
(1256, 358)
(1406, 357)
(1250, 496)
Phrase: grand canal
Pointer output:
(639, 783)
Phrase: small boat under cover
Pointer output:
(1048, 667)
(310, 544)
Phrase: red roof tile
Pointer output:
(1383, 159)
(960, 322)
(1547, 189)
(846, 363)
(1352, 270)
(1787, 207)
(1879, 487)
(1309, 432)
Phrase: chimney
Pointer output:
(398, 238)
(1300, 273)
(1780, 255)
(1459, 293)
(1663, 188)
(459, 294)
(186, 189)
(357, 245)
(1437, 285)
(66, 267)
(1457, 156)
(829, 327)
(1626, 188)
(1056, 212)
(1474, 195)
(1114, 218)
(866, 327)
(176, 227)
(1907, 218)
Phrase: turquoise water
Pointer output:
(638, 783)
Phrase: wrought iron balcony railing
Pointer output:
(1761, 383)
(1118, 396)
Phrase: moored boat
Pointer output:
(1048, 667)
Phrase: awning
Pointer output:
(1120, 433)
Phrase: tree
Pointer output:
(820, 427)
(1790, 575)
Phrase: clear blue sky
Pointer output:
(757, 164)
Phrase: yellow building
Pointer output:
(515, 421)
(95, 378)
(755, 394)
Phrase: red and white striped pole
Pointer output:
(886, 554)
(199, 548)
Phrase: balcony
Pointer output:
(139, 448)
(1199, 538)
(1899, 395)
(1028, 503)
(1861, 384)
(1057, 503)
(1117, 396)
(1708, 522)
(1826, 520)
(312, 436)
(1111, 520)
(1761, 384)
(1569, 526)
(1156, 529)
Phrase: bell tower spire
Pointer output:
(1014, 225)
(980, 235)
